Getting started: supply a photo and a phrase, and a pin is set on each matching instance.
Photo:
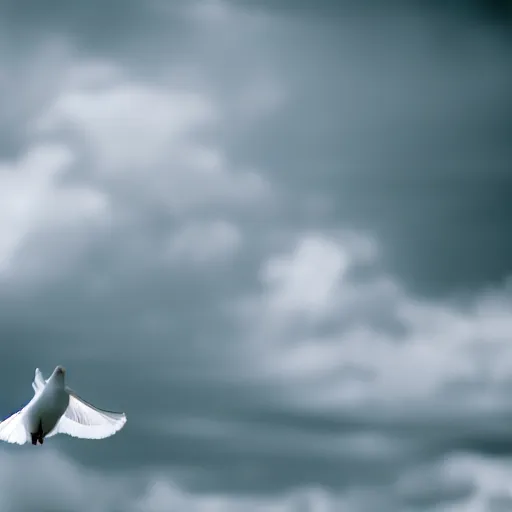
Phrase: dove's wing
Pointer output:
(83, 420)
(39, 381)
(12, 429)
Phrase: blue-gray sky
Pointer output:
(277, 235)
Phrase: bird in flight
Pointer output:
(56, 409)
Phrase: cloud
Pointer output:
(33, 201)
(205, 242)
(389, 382)
(234, 219)
(62, 485)
(130, 126)
(436, 346)
(304, 282)
(462, 481)
(134, 131)
(393, 131)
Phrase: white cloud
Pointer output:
(163, 496)
(68, 486)
(359, 344)
(62, 485)
(130, 125)
(458, 482)
(475, 483)
(306, 281)
(150, 138)
(34, 201)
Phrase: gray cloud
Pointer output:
(417, 111)
(277, 241)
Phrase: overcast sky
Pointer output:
(276, 235)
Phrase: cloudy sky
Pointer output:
(276, 235)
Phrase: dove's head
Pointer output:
(59, 373)
(57, 376)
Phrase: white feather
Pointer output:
(83, 420)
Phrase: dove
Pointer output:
(56, 409)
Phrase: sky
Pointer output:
(276, 235)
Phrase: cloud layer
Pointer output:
(276, 238)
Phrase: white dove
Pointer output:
(56, 409)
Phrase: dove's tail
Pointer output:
(39, 382)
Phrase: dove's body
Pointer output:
(46, 408)
(56, 409)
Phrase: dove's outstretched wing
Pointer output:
(12, 429)
(83, 420)
(39, 381)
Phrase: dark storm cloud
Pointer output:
(406, 135)
(497, 11)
